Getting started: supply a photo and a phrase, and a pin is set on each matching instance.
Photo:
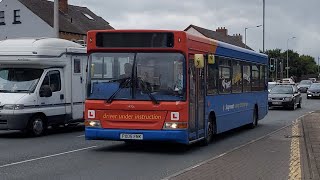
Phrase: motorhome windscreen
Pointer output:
(19, 80)
(135, 40)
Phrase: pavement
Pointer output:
(291, 153)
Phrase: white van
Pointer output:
(42, 83)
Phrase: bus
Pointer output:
(170, 86)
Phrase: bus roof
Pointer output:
(207, 45)
(39, 47)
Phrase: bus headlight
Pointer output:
(13, 106)
(175, 125)
(92, 123)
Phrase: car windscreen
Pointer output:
(308, 82)
(282, 90)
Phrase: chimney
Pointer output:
(223, 31)
(238, 37)
(63, 6)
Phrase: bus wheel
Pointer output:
(254, 119)
(211, 131)
(37, 126)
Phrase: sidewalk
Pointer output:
(291, 153)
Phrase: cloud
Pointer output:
(284, 19)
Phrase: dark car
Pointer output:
(304, 85)
(314, 91)
(286, 96)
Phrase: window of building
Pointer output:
(16, 17)
(88, 16)
(246, 69)
(2, 21)
(236, 77)
(255, 77)
(224, 75)
(212, 76)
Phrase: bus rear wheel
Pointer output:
(254, 119)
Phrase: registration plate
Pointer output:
(276, 103)
(316, 95)
(132, 136)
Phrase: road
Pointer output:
(64, 154)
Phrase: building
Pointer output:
(34, 18)
(221, 34)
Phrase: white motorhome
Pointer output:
(42, 83)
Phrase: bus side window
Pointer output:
(224, 76)
(212, 76)
(246, 69)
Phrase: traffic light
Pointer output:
(272, 64)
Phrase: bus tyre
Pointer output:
(37, 126)
(211, 131)
(254, 119)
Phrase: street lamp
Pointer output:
(245, 34)
(288, 56)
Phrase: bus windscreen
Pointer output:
(135, 40)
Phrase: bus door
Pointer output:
(196, 102)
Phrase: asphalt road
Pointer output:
(64, 154)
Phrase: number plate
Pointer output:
(316, 94)
(132, 136)
(276, 103)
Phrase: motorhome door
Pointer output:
(53, 105)
(78, 86)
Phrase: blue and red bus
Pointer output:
(158, 85)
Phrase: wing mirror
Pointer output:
(45, 91)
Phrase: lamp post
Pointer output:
(263, 19)
(288, 56)
(245, 34)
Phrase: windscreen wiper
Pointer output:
(5, 91)
(145, 86)
(121, 86)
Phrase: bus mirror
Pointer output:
(199, 60)
(92, 70)
(211, 59)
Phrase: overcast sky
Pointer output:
(284, 18)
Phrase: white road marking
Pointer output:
(49, 156)
(81, 136)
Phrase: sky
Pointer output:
(284, 19)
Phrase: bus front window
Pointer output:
(137, 76)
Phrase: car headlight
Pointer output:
(13, 106)
(288, 98)
(309, 92)
(269, 98)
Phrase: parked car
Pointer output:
(313, 91)
(304, 85)
(271, 85)
(286, 96)
(287, 81)
(313, 80)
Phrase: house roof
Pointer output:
(234, 40)
(75, 21)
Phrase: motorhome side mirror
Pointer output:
(45, 91)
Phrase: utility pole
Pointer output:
(263, 25)
(318, 67)
(276, 64)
